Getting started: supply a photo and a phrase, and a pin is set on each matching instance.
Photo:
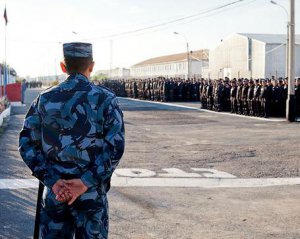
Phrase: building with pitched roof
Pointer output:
(251, 55)
(116, 73)
(175, 65)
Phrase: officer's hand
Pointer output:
(64, 195)
(61, 190)
(76, 187)
(58, 186)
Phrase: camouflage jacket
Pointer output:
(73, 130)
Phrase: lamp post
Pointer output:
(188, 54)
(291, 102)
(287, 36)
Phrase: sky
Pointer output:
(36, 29)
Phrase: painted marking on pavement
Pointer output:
(172, 173)
(204, 110)
(200, 178)
(171, 182)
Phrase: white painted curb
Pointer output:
(203, 182)
(172, 182)
(17, 103)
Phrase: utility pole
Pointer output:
(188, 60)
(287, 49)
(291, 107)
(5, 80)
(111, 57)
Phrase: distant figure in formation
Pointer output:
(24, 86)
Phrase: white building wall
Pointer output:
(119, 73)
(196, 69)
(297, 60)
(170, 69)
(230, 56)
(275, 60)
(238, 57)
(258, 59)
(115, 73)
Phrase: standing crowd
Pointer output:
(33, 84)
(259, 97)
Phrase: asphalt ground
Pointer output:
(162, 136)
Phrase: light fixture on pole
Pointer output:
(290, 60)
(188, 54)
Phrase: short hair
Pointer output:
(77, 64)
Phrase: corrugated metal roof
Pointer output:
(200, 54)
(270, 38)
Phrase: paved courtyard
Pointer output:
(185, 174)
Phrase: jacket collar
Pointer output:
(75, 82)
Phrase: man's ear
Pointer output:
(63, 67)
(91, 67)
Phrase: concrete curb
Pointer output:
(18, 104)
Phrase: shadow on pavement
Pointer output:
(17, 213)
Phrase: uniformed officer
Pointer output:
(239, 96)
(226, 95)
(245, 97)
(218, 95)
(203, 94)
(135, 90)
(267, 98)
(256, 105)
(233, 99)
(209, 94)
(277, 98)
(250, 98)
(72, 140)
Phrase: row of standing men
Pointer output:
(259, 97)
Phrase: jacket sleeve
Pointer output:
(113, 147)
(30, 147)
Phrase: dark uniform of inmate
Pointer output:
(74, 130)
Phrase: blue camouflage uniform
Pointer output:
(74, 130)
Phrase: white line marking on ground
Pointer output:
(203, 182)
(172, 173)
(171, 182)
(204, 110)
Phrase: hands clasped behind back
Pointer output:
(68, 190)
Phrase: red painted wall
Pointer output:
(13, 92)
